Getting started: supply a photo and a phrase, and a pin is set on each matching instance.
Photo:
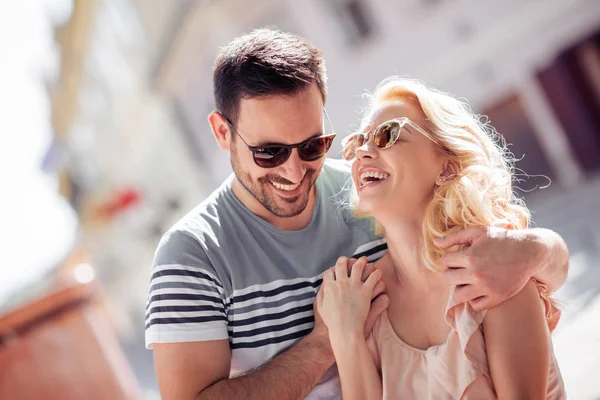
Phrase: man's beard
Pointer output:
(263, 191)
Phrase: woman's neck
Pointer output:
(404, 240)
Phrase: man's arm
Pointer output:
(200, 370)
(553, 270)
(192, 353)
(495, 263)
(185, 369)
(290, 375)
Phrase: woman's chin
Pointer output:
(366, 206)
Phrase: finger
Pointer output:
(466, 293)
(318, 299)
(341, 269)
(358, 269)
(458, 276)
(456, 259)
(464, 236)
(378, 289)
(377, 307)
(369, 268)
(351, 262)
(329, 275)
(373, 279)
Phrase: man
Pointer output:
(230, 308)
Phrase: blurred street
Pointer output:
(105, 145)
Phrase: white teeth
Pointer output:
(285, 187)
(372, 174)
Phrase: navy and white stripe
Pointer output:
(222, 273)
(281, 311)
(256, 316)
(181, 295)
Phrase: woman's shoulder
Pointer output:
(531, 300)
(533, 297)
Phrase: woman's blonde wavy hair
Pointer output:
(480, 193)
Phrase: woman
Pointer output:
(425, 166)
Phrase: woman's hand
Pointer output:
(344, 301)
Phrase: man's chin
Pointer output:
(288, 206)
(290, 210)
(291, 200)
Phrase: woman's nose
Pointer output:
(367, 149)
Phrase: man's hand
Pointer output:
(493, 265)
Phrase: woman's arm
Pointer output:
(343, 302)
(518, 346)
(358, 373)
(554, 269)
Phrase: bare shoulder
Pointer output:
(525, 304)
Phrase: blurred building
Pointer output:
(137, 87)
(515, 61)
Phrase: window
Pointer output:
(355, 19)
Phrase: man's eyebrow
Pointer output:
(265, 144)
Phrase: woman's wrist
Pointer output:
(342, 342)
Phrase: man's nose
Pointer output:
(294, 168)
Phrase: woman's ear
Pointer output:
(448, 173)
(220, 129)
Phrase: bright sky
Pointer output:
(37, 226)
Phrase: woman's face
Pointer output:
(405, 173)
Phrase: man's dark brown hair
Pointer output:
(263, 63)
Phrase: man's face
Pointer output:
(284, 190)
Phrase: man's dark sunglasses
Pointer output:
(274, 155)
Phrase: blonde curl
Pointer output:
(480, 193)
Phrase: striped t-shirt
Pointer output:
(222, 272)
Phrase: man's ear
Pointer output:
(220, 129)
(447, 173)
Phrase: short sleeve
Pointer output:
(551, 310)
(186, 301)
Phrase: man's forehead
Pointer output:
(297, 118)
(296, 102)
(286, 128)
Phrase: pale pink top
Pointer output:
(456, 369)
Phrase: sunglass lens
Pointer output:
(271, 157)
(351, 144)
(386, 135)
(315, 148)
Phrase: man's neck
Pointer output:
(296, 223)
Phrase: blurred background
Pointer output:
(104, 144)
